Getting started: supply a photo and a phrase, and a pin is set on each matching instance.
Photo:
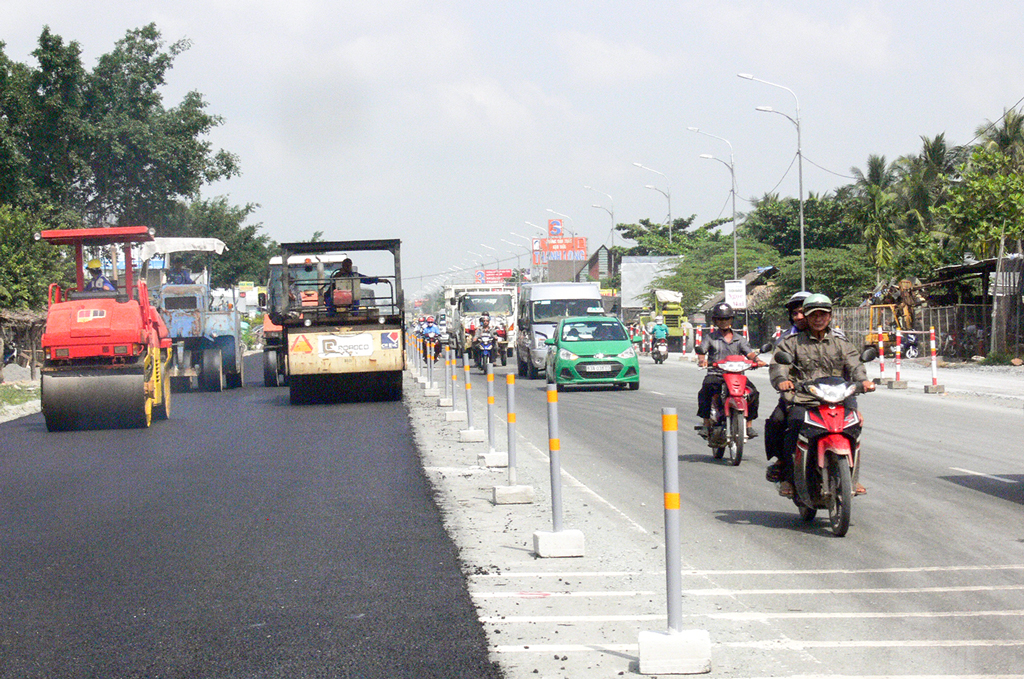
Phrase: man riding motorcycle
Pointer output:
(817, 351)
(659, 330)
(718, 344)
(775, 425)
(431, 331)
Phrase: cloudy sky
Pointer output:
(451, 124)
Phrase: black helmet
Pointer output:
(722, 310)
(797, 300)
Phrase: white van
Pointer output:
(541, 307)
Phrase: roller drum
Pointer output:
(94, 399)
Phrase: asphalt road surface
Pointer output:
(242, 538)
(929, 582)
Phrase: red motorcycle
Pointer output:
(827, 453)
(659, 350)
(729, 407)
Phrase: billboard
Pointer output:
(559, 249)
(497, 276)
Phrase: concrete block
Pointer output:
(882, 380)
(684, 652)
(431, 391)
(513, 495)
(492, 459)
(564, 543)
(472, 436)
(422, 379)
(898, 384)
(455, 416)
(444, 403)
(934, 389)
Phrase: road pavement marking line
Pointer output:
(794, 645)
(829, 571)
(550, 595)
(657, 393)
(745, 617)
(562, 574)
(983, 475)
(866, 590)
(579, 484)
(567, 648)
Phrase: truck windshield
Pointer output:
(554, 310)
(494, 304)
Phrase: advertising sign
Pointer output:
(736, 294)
(493, 275)
(559, 249)
(555, 228)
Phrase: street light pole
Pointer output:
(732, 171)
(800, 163)
(611, 212)
(667, 193)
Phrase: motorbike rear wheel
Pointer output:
(840, 485)
(737, 432)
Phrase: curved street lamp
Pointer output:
(732, 171)
(611, 212)
(800, 162)
(667, 193)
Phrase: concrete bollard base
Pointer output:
(934, 389)
(898, 384)
(685, 652)
(472, 436)
(492, 459)
(444, 403)
(882, 380)
(455, 416)
(513, 495)
(422, 379)
(431, 391)
(564, 543)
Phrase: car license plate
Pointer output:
(597, 368)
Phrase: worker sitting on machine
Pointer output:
(99, 281)
(177, 275)
(345, 288)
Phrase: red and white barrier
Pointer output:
(934, 387)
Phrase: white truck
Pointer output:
(464, 305)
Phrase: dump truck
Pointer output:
(342, 331)
(205, 332)
(105, 352)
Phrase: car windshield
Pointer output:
(593, 331)
(494, 304)
(554, 310)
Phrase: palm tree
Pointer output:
(1005, 135)
(876, 211)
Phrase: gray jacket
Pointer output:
(831, 356)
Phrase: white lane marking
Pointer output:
(657, 393)
(987, 476)
(790, 645)
(579, 484)
(829, 571)
(744, 617)
(548, 595)
(866, 590)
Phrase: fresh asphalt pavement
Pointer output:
(243, 538)
(929, 582)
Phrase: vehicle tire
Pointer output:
(840, 484)
(504, 358)
(807, 513)
(531, 372)
(913, 351)
(737, 431)
(212, 377)
(270, 369)
(520, 368)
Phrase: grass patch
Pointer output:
(16, 394)
(998, 359)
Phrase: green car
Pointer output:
(592, 350)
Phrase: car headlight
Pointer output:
(567, 355)
(628, 353)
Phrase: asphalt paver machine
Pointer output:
(105, 352)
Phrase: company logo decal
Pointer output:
(332, 346)
(389, 340)
(86, 315)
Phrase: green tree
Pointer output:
(876, 212)
(28, 266)
(703, 271)
(844, 273)
(776, 223)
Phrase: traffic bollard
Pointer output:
(898, 350)
(491, 458)
(881, 360)
(469, 434)
(676, 651)
(934, 387)
(513, 493)
(559, 542)
(454, 415)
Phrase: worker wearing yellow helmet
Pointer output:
(98, 281)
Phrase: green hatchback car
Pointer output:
(592, 350)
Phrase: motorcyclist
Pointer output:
(659, 330)
(718, 344)
(775, 424)
(430, 327)
(98, 280)
(817, 351)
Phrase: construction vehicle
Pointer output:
(105, 352)
(206, 332)
(343, 332)
(895, 312)
(668, 305)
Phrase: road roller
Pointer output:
(105, 347)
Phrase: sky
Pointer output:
(450, 124)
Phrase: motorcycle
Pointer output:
(659, 352)
(827, 454)
(483, 348)
(729, 407)
(434, 337)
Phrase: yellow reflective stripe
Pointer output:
(554, 444)
(490, 400)
(510, 379)
(490, 377)
(553, 396)
(511, 418)
(670, 423)
(671, 500)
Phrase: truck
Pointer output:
(207, 350)
(499, 302)
(342, 331)
(541, 307)
(668, 305)
(105, 351)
